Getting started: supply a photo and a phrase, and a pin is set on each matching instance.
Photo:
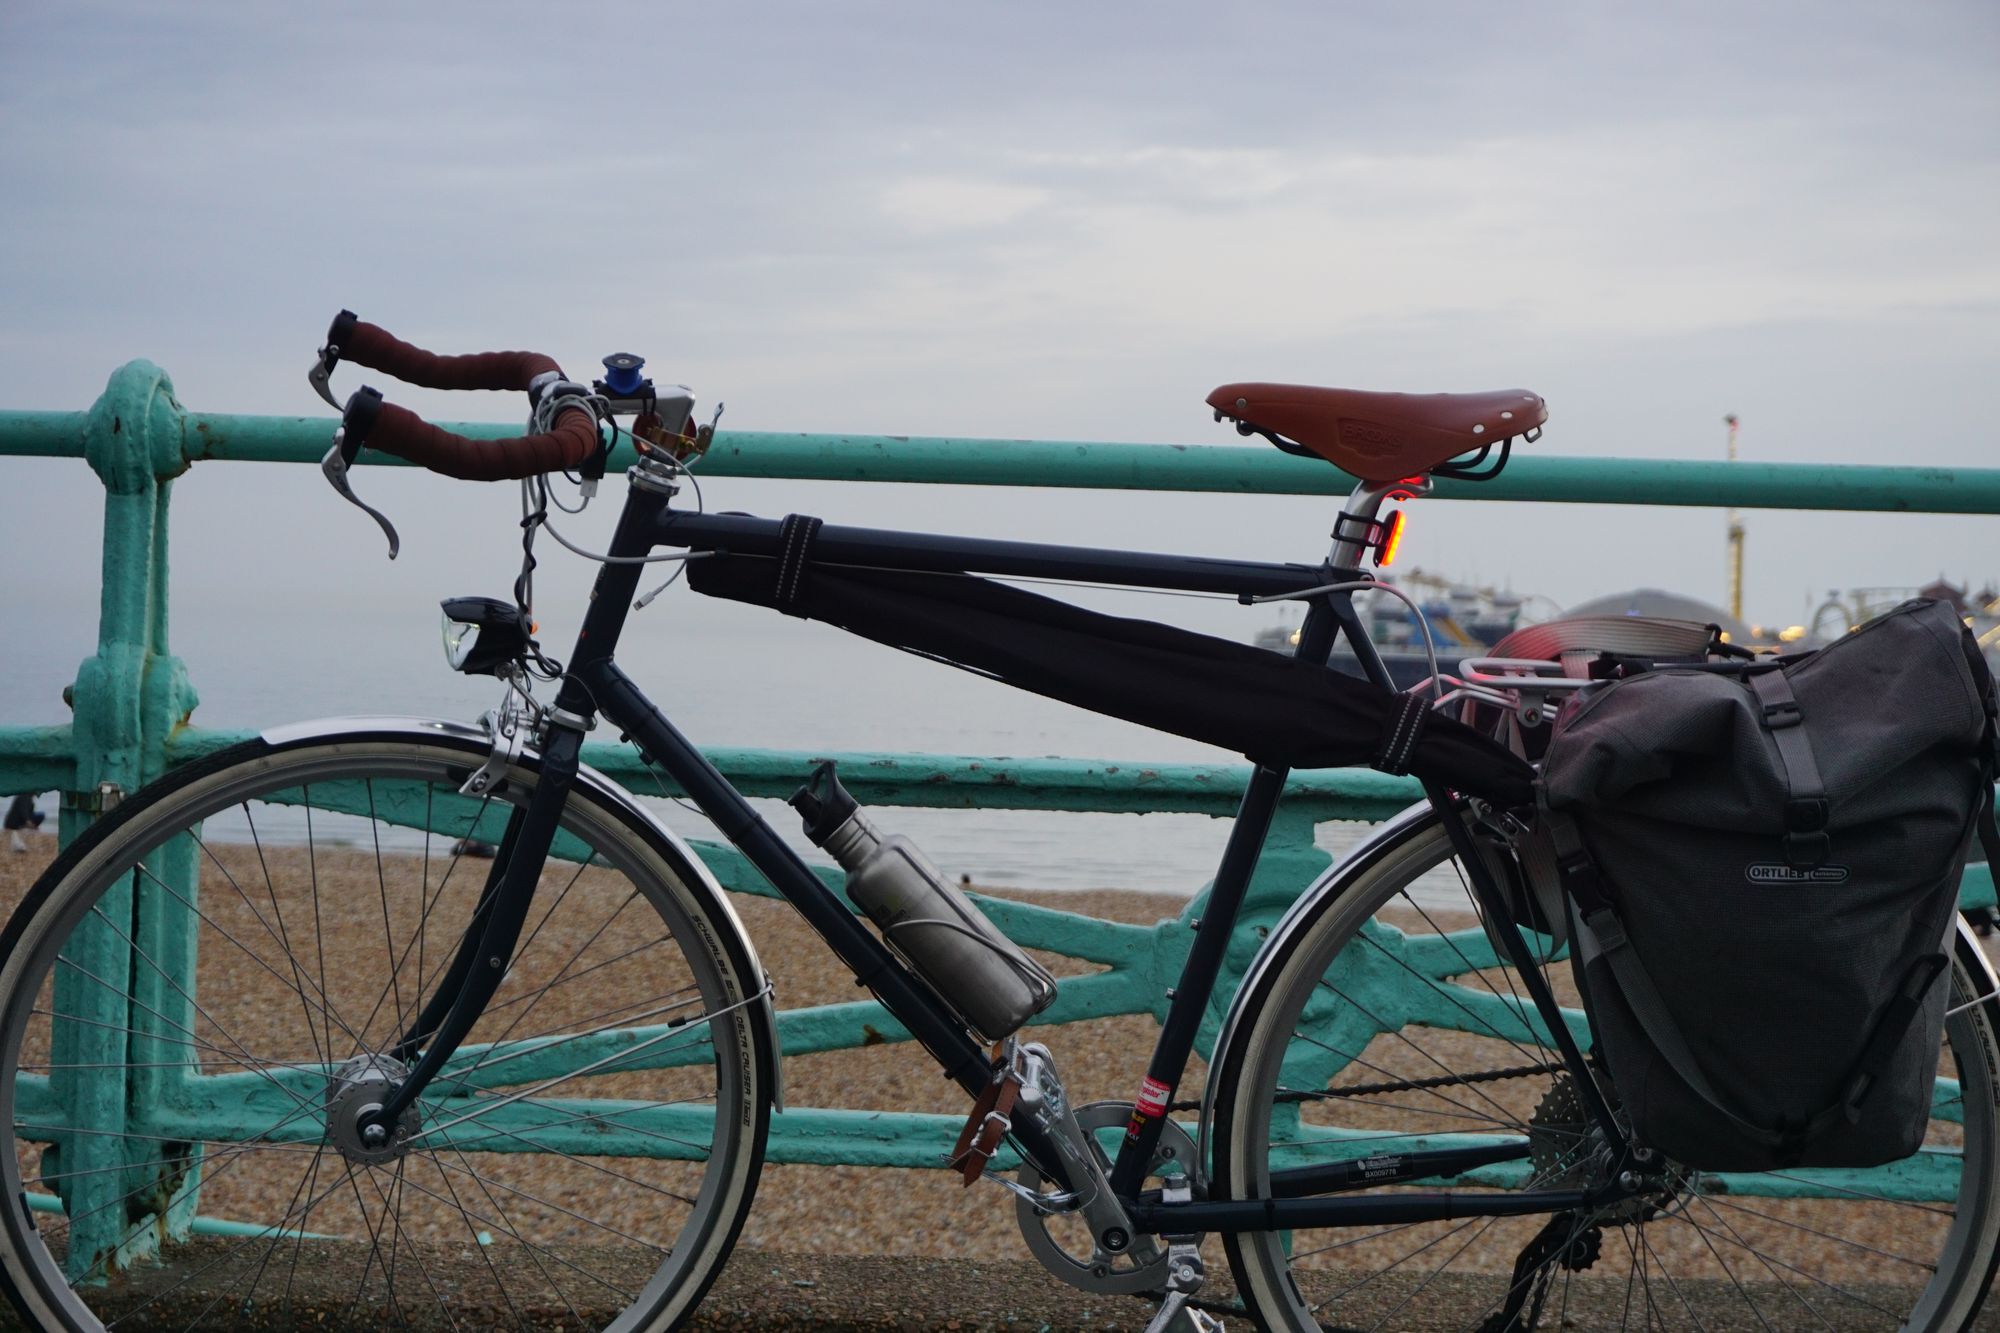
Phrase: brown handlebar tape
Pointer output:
(371, 346)
(405, 434)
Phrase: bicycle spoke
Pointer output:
(1437, 1273)
(1498, 1115)
(382, 887)
(1354, 1050)
(616, 1021)
(284, 935)
(1522, 1007)
(548, 1203)
(188, 1279)
(325, 1008)
(1667, 1276)
(530, 1246)
(425, 983)
(488, 1195)
(1729, 1272)
(1736, 1238)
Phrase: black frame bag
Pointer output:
(1762, 866)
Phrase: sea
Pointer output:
(728, 676)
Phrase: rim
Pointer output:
(1737, 1245)
(573, 1161)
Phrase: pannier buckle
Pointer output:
(1806, 814)
(1807, 851)
(1781, 714)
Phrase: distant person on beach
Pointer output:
(21, 814)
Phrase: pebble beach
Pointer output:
(818, 1218)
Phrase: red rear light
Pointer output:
(1392, 537)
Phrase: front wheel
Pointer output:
(1384, 1023)
(203, 998)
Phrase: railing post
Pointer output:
(128, 699)
(133, 692)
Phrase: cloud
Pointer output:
(949, 203)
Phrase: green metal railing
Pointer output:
(132, 700)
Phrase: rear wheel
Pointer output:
(1386, 1023)
(202, 998)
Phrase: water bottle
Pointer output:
(979, 974)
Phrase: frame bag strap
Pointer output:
(1806, 844)
(795, 539)
(1399, 738)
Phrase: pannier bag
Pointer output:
(1761, 866)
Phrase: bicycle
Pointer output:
(538, 1092)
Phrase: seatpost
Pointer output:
(1354, 531)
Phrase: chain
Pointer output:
(1410, 1085)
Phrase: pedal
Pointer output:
(991, 1116)
(1177, 1316)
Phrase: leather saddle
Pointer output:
(1382, 437)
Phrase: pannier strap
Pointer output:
(795, 538)
(1806, 844)
(1399, 740)
(1602, 940)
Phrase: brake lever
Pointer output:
(321, 373)
(356, 418)
(334, 468)
(329, 356)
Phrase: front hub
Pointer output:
(355, 1094)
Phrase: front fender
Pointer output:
(666, 843)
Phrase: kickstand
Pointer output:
(1184, 1275)
(1562, 1240)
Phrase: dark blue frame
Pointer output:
(595, 685)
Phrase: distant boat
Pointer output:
(1844, 610)
(1465, 620)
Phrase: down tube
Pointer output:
(874, 966)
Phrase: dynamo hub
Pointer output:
(357, 1091)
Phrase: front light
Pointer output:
(459, 639)
(483, 634)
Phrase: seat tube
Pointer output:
(1196, 983)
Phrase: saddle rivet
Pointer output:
(1478, 429)
(1242, 404)
(1506, 416)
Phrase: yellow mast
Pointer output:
(1735, 537)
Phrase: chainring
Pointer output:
(1063, 1242)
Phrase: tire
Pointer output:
(585, 1160)
(1396, 982)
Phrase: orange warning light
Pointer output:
(1392, 537)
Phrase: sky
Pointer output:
(1032, 220)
